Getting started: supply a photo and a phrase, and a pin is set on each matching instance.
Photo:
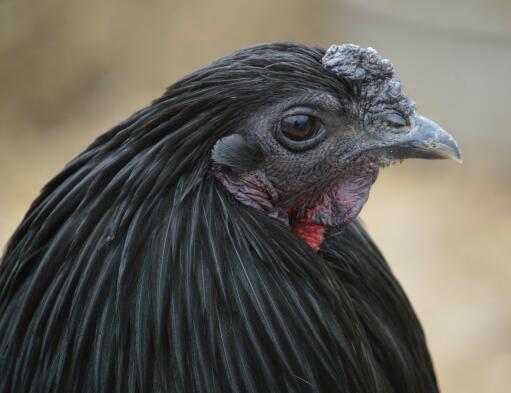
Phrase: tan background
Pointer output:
(70, 70)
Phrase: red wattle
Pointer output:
(310, 233)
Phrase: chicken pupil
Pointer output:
(298, 126)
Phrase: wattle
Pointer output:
(309, 232)
(337, 207)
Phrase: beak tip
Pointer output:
(455, 153)
(440, 141)
(458, 159)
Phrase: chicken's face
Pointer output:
(311, 158)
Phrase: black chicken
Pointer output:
(208, 243)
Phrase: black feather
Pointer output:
(135, 271)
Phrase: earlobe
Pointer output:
(237, 154)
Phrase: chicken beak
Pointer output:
(426, 139)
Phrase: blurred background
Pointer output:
(71, 70)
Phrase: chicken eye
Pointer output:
(394, 120)
(300, 127)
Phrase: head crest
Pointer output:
(356, 63)
(366, 66)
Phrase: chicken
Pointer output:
(209, 243)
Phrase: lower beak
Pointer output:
(426, 139)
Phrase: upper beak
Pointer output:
(426, 139)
